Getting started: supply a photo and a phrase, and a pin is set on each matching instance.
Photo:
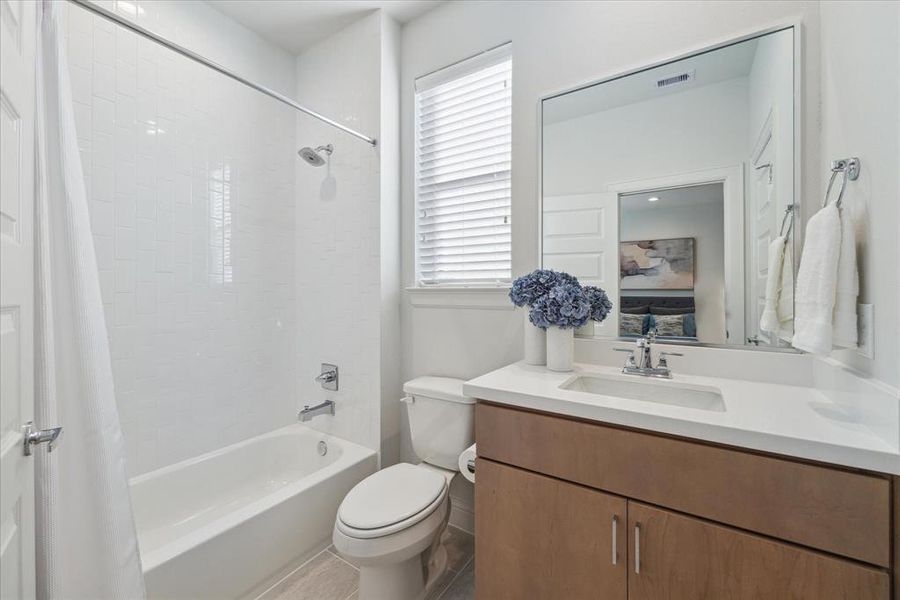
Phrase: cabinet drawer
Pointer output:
(829, 509)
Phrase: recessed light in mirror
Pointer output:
(652, 199)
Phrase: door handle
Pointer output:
(637, 548)
(615, 527)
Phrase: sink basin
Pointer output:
(674, 394)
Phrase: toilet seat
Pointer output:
(391, 500)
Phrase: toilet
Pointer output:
(390, 523)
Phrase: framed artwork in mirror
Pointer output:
(657, 264)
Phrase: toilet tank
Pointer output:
(441, 419)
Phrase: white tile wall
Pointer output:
(338, 229)
(191, 180)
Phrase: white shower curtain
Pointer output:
(86, 542)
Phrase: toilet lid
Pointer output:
(391, 495)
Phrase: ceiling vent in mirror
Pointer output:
(676, 79)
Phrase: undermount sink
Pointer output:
(674, 394)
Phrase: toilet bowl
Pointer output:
(390, 524)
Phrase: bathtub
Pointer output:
(228, 523)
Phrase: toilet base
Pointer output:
(404, 580)
(410, 579)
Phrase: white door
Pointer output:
(17, 36)
(581, 237)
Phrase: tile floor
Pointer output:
(326, 576)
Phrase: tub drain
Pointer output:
(322, 448)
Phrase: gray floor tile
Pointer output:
(460, 547)
(463, 587)
(325, 577)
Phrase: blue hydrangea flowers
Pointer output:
(528, 289)
(564, 306)
(599, 301)
(557, 299)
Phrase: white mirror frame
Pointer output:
(799, 224)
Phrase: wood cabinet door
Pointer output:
(540, 538)
(676, 557)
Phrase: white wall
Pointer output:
(702, 128)
(861, 117)
(347, 252)
(188, 173)
(706, 224)
(389, 154)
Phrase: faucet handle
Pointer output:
(662, 363)
(629, 362)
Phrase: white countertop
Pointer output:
(783, 419)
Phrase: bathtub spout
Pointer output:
(309, 412)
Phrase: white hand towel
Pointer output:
(769, 320)
(785, 308)
(817, 282)
(845, 327)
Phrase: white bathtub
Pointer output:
(224, 524)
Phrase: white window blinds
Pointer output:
(463, 185)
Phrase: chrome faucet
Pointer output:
(308, 412)
(640, 359)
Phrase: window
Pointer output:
(463, 184)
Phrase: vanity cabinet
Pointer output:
(692, 520)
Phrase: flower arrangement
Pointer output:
(557, 299)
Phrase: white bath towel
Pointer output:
(769, 320)
(847, 288)
(817, 282)
(785, 307)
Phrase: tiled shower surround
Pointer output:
(191, 184)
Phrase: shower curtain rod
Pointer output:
(111, 16)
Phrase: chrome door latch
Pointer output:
(40, 436)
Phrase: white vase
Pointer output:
(535, 343)
(560, 349)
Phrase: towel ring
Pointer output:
(850, 169)
(788, 213)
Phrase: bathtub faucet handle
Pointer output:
(328, 377)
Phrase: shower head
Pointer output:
(314, 157)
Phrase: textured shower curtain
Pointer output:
(86, 542)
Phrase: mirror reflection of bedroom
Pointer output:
(672, 265)
(673, 189)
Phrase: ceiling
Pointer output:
(295, 25)
(708, 68)
(709, 194)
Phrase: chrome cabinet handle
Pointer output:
(637, 548)
(615, 527)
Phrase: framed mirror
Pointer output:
(674, 188)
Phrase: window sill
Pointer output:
(492, 298)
